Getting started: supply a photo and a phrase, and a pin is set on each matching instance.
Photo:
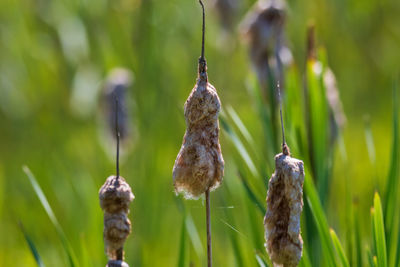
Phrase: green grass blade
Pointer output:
(328, 249)
(182, 247)
(43, 200)
(239, 146)
(194, 235)
(32, 246)
(339, 249)
(251, 194)
(391, 199)
(305, 259)
(240, 125)
(370, 257)
(379, 232)
(260, 261)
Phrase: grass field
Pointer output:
(54, 58)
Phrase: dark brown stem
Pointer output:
(120, 254)
(202, 59)
(117, 134)
(208, 222)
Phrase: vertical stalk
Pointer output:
(117, 134)
(208, 222)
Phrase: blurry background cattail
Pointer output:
(118, 83)
(226, 11)
(263, 29)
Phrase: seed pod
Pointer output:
(199, 165)
(117, 227)
(284, 205)
(263, 29)
(115, 196)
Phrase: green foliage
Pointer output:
(55, 55)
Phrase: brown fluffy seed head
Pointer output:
(115, 195)
(199, 165)
(284, 205)
(117, 227)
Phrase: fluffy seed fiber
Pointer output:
(115, 196)
(199, 165)
(284, 205)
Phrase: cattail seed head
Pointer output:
(284, 205)
(199, 165)
(115, 195)
(117, 227)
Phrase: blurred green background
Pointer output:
(53, 60)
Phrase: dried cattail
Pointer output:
(284, 206)
(226, 10)
(115, 196)
(199, 165)
(263, 29)
(117, 84)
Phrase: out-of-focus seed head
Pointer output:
(226, 10)
(199, 165)
(116, 86)
(263, 30)
(115, 195)
(284, 205)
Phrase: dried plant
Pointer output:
(284, 205)
(199, 166)
(263, 29)
(115, 196)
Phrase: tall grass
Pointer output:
(53, 49)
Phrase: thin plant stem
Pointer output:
(285, 148)
(203, 31)
(117, 134)
(120, 254)
(208, 222)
